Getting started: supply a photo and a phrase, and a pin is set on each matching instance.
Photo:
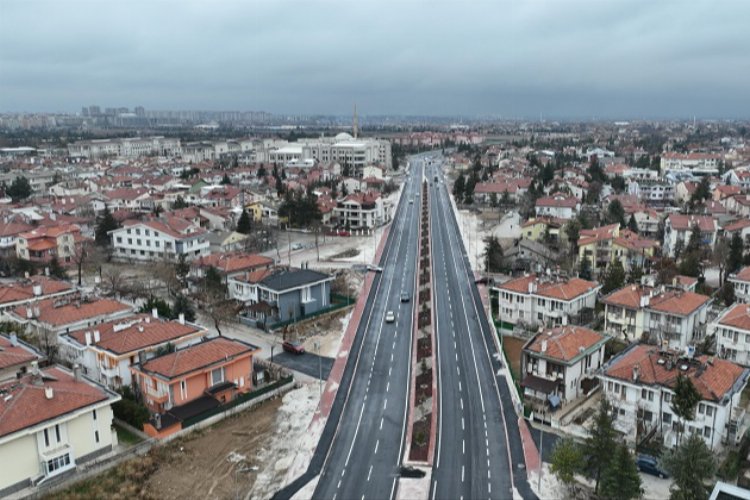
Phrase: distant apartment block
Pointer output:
(132, 147)
(695, 163)
(162, 238)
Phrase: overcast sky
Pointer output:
(600, 58)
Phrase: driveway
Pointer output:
(308, 363)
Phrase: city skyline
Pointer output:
(575, 60)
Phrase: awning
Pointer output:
(539, 384)
(554, 400)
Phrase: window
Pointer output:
(95, 412)
(46, 438)
(128, 231)
(138, 232)
(707, 432)
(57, 432)
(709, 411)
(96, 436)
(666, 418)
(217, 376)
(58, 463)
(130, 241)
(183, 389)
(119, 239)
(701, 408)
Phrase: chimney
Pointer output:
(157, 421)
(77, 371)
(182, 318)
(635, 373)
(36, 311)
(97, 336)
(29, 313)
(544, 346)
(141, 358)
(155, 313)
(46, 271)
(49, 392)
(26, 275)
(148, 319)
(14, 340)
(36, 290)
(88, 338)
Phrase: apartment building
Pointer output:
(45, 243)
(558, 206)
(166, 238)
(674, 316)
(732, 332)
(678, 227)
(694, 163)
(741, 282)
(71, 424)
(559, 365)
(106, 352)
(16, 357)
(129, 147)
(32, 289)
(640, 383)
(532, 300)
(360, 211)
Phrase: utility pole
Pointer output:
(316, 344)
(541, 450)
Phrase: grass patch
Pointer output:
(730, 467)
(127, 480)
(125, 437)
(352, 252)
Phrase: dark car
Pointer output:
(650, 465)
(293, 347)
(404, 297)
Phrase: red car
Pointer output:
(293, 347)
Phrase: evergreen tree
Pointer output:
(614, 278)
(584, 269)
(56, 270)
(601, 441)
(616, 213)
(162, 308)
(726, 293)
(493, 200)
(684, 401)
(106, 222)
(226, 180)
(691, 465)
(493, 255)
(458, 188)
(573, 233)
(632, 224)
(244, 224)
(179, 203)
(620, 479)
(182, 305)
(736, 249)
(567, 460)
(694, 243)
(19, 189)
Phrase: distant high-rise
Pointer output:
(95, 111)
(140, 111)
(85, 111)
(355, 124)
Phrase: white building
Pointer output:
(678, 227)
(558, 206)
(130, 147)
(741, 282)
(559, 365)
(694, 163)
(361, 211)
(675, 316)
(71, 424)
(165, 238)
(542, 300)
(343, 148)
(640, 382)
(732, 332)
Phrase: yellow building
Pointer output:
(536, 229)
(255, 211)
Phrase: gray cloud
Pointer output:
(562, 58)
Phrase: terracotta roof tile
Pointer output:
(72, 312)
(712, 380)
(561, 290)
(24, 290)
(565, 343)
(196, 357)
(11, 355)
(737, 316)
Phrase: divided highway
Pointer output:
(366, 451)
(478, 447)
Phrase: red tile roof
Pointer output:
(28, 405)
(561, 290)
(743, 275)
(143, 331)
(682, 222)
(197, 357)
(232, 263)
(738, 316)
(712, 380)
(24, 290)
(11, 355)
(73, 311)
(678, 302)
(565, 343)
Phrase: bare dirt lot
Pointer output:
(222, 461)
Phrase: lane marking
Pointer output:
(370, 474)
(377, 444)
(462, 474)
(385, 403)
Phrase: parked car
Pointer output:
(297, 246)
(405, 297)
(650, 465)
(293, 347)
(376, 269)
(390, 317)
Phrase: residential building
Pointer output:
(732, 332)
(361, 211)
(228, 264)
(559, 365)
(741, 282)
(9, 232)
(129, 147)
(694, 163)
(106, 352)
(16, 357)
(277, 295)
(543, 229)
(558, 206)
(595, 245)
(167, 238)
(189, 381)
(51, 421)
(640, 384)
(32, 289)
(672, 317)
(678, 228)
(533, 299)
(45, 243)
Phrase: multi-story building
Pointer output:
(678, 228)
(360, 211)
(107, 351)
(732, 332)
(16, 357)
(51, 421)
(43, 244)
(672, 316)
(129, 147)
(560, 364)
(9, 232)
(741, 282)
(640, 384)
(532, 300)
(694, 163)
(595, 245)
(32, 289)
(166, 238)
(558, 206)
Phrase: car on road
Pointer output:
(650, 465)
(297, 246)
(405, 297)
(390, 317)
(376, 269)
(293, 347)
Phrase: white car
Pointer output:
(390, 317)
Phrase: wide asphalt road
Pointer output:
(479, 448)
(364, 458)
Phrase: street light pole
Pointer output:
(320, 369)
(541, 451)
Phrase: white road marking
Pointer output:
(462, 474)
(434, 490)
(381, 424)
(462, 423)
(463, 446)
(459, 386)
(462, 403)
(387, 387)
(385, 403)
(377, 444)
(370, 473)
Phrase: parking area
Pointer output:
(308, 363)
